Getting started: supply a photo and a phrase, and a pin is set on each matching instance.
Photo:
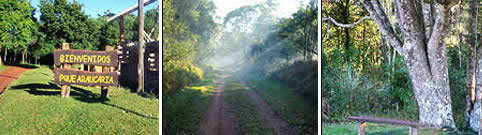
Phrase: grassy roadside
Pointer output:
(351, 128)
(183, 110)
(32, 105)
(290, 106)
(247, 120)
(2, 67)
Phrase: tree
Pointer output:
(16, 25)
(63, 22)
(472, 116)
(423, 49)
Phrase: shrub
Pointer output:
(176, 76)
(302, 75)
(347, 93)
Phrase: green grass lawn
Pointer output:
(290, 106)
(32, 105)
(247, 120)
(351, 128)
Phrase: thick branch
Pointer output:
(345, 25)
(377, 12)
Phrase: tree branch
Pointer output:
(377, 12)
(345, 25)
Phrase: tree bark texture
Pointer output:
(472, 113)
(423, 49)
(474, 121)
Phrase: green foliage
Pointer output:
(16, 24)
(184, 110)
(347, 93)
(302, 76)
(63, 22)
(176, 76)
(185, 107)
(188, 27)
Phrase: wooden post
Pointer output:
(104, 90)
(121, 28)
(361, 127)
(65, 91)
(140, 68)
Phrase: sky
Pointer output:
(94, 7)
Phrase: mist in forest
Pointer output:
(256, 33)
(237, 53)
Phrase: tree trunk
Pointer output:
(1, 63)
(14, 56)
(424, 52)
(472, 113)
(475, 114)
(5, 55)
(24, 52)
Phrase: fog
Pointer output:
(248, 27)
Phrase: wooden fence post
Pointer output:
(361, 127)
(104, 90)
(65, 92)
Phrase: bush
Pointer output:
(301, 75)
(347, 93)
(177, 76)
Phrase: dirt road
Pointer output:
(9, 75)
(219, 122)
(279, 126)
(216, 122)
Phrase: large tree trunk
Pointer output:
(475, 114)
(422, 46)
(424, 52)
(472, 111)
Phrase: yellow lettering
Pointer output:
(80, 79)
(101, 79)
(61, 76)
(71, 58)
(107, 59)
(89, 79)
(111, 80)
(78, 58)
(94, 79)
(107, 81)
(84, 58)
(61, 58)
(73, 77)
(90, 58)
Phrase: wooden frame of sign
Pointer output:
(65, 76)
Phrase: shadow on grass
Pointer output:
(75, 92)
(29, 66)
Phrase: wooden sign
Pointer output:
(70, 77)
(100, 58)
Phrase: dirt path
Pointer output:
(9, 75)
(279, 126)
(216, 121)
